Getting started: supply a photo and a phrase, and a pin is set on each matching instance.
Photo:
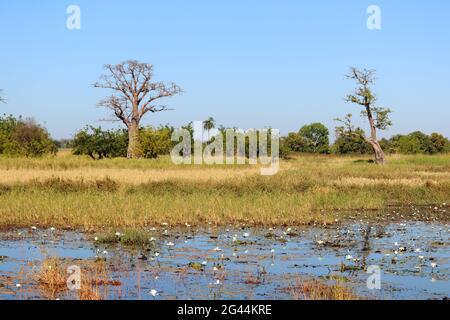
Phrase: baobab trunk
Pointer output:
(380, 158)
(134, 146)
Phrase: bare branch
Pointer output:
(135, 93)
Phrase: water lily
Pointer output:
(246, 235)
(348, 257)
(217, 249)
(153, 293)
(204, 263)
(156, 254)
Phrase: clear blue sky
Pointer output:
(247, 63)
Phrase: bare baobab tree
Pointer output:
(134, 95)
(378, 117)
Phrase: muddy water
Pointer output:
(244, 263)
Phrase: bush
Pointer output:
(352, 143)
(293, 142)
(20, 137)
(155, 142)
(99, 144)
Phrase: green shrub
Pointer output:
(20, 137)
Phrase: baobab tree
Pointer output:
(208, 125)
(378, 117)
(134, 95)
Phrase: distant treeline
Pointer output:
(314, 138)
(24, 137)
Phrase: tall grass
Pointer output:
(307, 190)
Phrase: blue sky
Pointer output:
(247, 63)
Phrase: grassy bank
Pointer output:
(75, 192)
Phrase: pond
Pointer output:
(242, 263)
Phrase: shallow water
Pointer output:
(261, 264)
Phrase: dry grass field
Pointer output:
(75, 192)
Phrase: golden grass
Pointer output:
(52, 279)
(75, 192)
(315, 290)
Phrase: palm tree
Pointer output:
(208, 125)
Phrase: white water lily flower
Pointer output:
(246, 235)
(105, 252)
(217, 249)
(153, 292)
(204, 263)
(348, 257)
(156, 254)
